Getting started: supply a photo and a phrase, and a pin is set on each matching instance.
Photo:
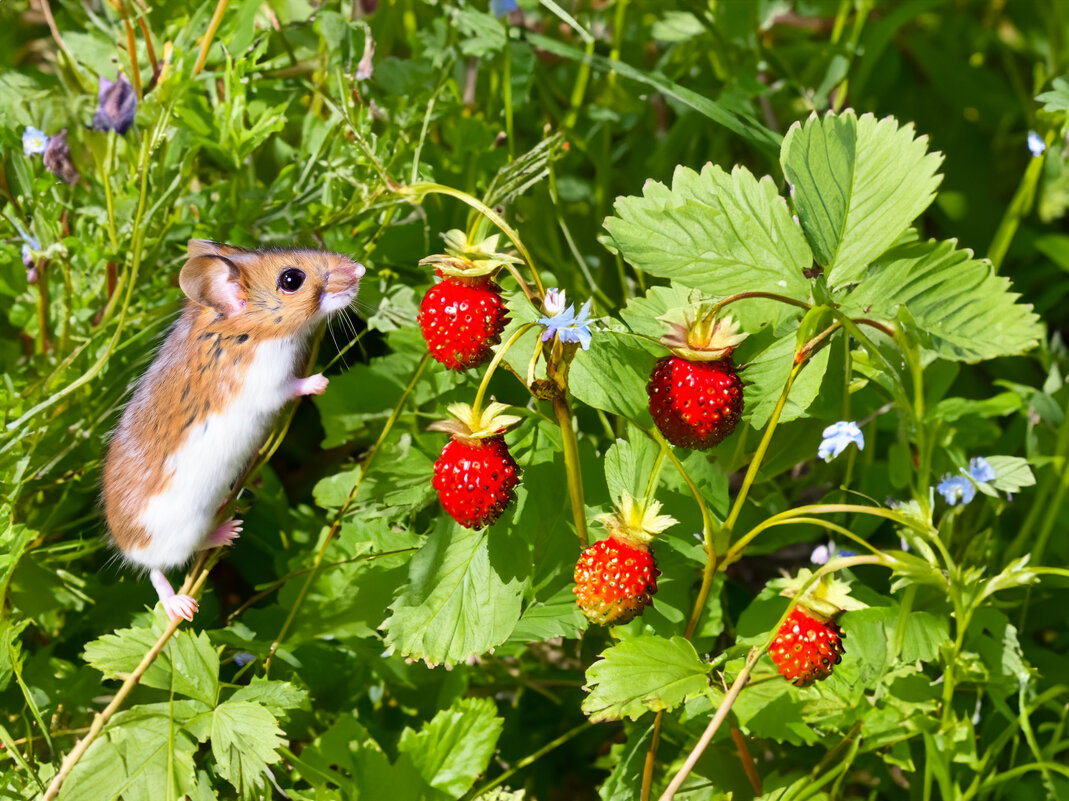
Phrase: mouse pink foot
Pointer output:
(224, 535)
(313, 385)
(180, 606)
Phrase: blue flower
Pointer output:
(981, 470)
(242, 658)
(1036, 144)
(837, 436)
(569, 326)
(34, 141)
(955, 489)
(500, 8)
(29, 245)
(116, 105)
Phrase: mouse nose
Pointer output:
(358, 270)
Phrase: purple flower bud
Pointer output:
(58, 159)
(116, 105)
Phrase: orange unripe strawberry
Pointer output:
(614, 581)
(805, 648)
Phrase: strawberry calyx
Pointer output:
(634, 522)
(824, 600)
(702, 337)
(471, 425)
(466, 260)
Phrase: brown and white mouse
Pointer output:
(209, 399)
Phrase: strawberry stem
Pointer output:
(744, 295)
(570, 444)
(477, 405)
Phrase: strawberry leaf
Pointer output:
(968, 312)
(857, 184)
(245, 737)
(719, 232)
(642, 674)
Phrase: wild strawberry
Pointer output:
(615, 579)
(695, 393)
(475, 473)
(805, 648)
(462, 317)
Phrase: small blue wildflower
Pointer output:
(116, 105)
(569, 326)
(34, 141)
(981, 470)
(29, 245)
(1036, 144)
(500, 8)
(837, 436)
(955, 489)
(243, 658)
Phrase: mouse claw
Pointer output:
(224, 535)
(180, 606)
(313, 385)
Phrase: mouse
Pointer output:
(208, 400)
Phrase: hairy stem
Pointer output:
(570, 443)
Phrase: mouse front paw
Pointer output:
(313, 385)
(180, 606)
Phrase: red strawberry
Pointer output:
(695, 404)
(461, 320)
(615, 579)
(695, 394)
(475, 473)
(805, 648)
(475, 479)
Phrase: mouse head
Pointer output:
(274, 292)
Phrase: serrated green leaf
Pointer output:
(766, 374)
(245, 739)
(718, 232)
(454, 748)
(612, 375)
(1057, 99)
(556, 616)
(1011, 473)
(628, 465)
(188, 663)
(457, 603)
(857, 184)
(969, 313)
(278, 696)
(642, 674)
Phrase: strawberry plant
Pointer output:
(699, 429)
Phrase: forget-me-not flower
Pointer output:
(29, 245)
(955, 489)
(1036, 144)
(34, 141)
(500, 8)
(243, 658)
(981, 470)
(837, 436)
(567, 325)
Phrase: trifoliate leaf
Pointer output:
(453, 749)
(968, 312)
(188, 663)
(718, 232)
(245, 737)
(642, 674)
(857, 184)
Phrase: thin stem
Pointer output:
(714, 724)
(767, 295)
(570, 444)
(46, 9)
(109, 163)
(651, 756)
(477, 404)
(206, 43)
(131, 45)
(746, 759)
(336, 524)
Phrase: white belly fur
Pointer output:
(211, 457)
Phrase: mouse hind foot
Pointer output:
(176, 606)
(225, 534)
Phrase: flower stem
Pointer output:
(766, 295)
(206, 43)
(570, 443)
(477, 405)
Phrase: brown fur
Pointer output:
(235, 304)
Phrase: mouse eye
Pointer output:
(290, 280)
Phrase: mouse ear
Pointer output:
(211, 279)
